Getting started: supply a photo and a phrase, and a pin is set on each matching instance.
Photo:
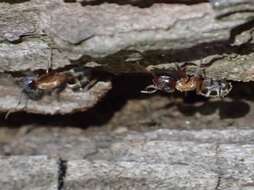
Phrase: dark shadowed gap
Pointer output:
(138, 3)
(124, 88)
(228, 109)
(128, 87)
(62, 169)
(234, 108)
(14, 1)
(198, 52)
(248, 26)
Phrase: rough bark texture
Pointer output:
(157, 159)
(29, 173)
(68, 101)
(133, 141)
(121, 38)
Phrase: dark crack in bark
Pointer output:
(218, 183)
(138, 3)
(62, 169)
(15, 1)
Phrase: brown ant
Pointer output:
(179, 80)
(36, 86)
(54, 82)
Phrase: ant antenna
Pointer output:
(50, 60)
(90, 84)
(149, 89)
(211, 61)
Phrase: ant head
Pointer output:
(164, 83)
(28, 86)
(28, 82)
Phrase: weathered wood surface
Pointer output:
(159, 159)
(29, 173)
(122, 38)
(151, 143)
(154, 143)
(112, 30)
(12, 98)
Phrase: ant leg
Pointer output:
(77, 86)
(57, 92)
(181, 70)
(199, 86)
(200, 72)
(178, 72)
(227, 88)
(82, 79)
(12, 110)
(90, 84)
(50, 60)
(150, 89)
(212, 60)
(26, 102)
(58, 98)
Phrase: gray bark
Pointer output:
(151, 143)
(158, 159)
(29, 173)
(120, 38)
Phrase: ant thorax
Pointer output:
(51, 81)
(187, 84)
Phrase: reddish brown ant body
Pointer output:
(35, 87)
(179, 80)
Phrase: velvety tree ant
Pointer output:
(179, 80)
(36, 86)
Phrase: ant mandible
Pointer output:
(179, 80)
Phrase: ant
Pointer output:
(35, 87)
(179, 80)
